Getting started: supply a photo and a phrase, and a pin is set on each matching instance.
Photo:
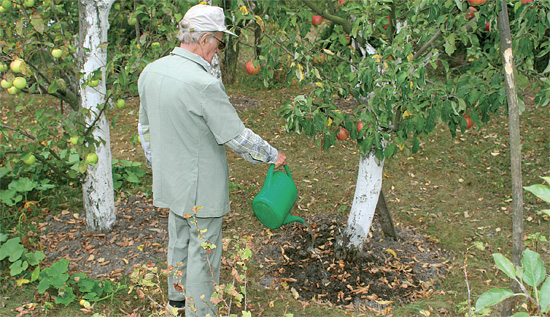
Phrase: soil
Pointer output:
(384, 274)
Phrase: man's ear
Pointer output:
(204, 39)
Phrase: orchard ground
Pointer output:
(450, 202)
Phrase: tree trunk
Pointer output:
(367, 191)
(97, 189)
(515, 146)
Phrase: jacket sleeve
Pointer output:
(253, 148)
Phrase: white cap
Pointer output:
(205, 18)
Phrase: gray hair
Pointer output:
(190, 37)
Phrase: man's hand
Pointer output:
(281, 160)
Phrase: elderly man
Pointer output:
(185, 122)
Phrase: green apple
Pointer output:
(28, 3)
(6, 4)
(74, 139)
(6, 84)
(2, 10)
(91, 158)
(13, 90)
(29, 159)
(16, 65)
(93, 83)
(132, 21)
(3, 67)
(20, 82)
(120, 103)
(56, 53)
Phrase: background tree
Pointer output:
(389, 71)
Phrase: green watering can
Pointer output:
(273, 203)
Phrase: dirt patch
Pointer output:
(139, 236)
(385, 273)
(242, 102)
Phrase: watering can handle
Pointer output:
(288, 172)
(269, 175)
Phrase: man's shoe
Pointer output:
(175, 308)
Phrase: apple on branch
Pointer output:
(477, 2)
(251, 69)
(316, 19)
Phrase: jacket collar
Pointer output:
(178, 51)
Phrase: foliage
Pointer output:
(126, 172)
(20, 259)
(68, 287)
(384, 66)
(532, 279)
(542, 192)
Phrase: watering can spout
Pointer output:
(290, 218)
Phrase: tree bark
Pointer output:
(515, 147)
(97, 188)
(367, 191)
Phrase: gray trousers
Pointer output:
(197, 270)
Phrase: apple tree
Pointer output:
(63, 50)
(406, 66)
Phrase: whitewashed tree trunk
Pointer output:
(97, 189)
(367, 191)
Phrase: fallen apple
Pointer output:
(342, 134)
(316, 19)
(251, 69)
(19, 82)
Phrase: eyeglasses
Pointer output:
(221, 44)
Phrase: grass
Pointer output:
(456, 191)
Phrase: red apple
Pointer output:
(527, 1)
(469, 121)
(476, 2)
(317, 61)
(340, 2)
(251, 69)
(471, 14)
(317, 19)
(342, 134)
(360, 126)
(487, 26)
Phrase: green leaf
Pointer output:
(18, 267)
(534, 271)
(492, 297)
(66, 296)
(12, 248)
(545, 296)
(505, 265)
(24, 184)
(541, 191)
(34, 258)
